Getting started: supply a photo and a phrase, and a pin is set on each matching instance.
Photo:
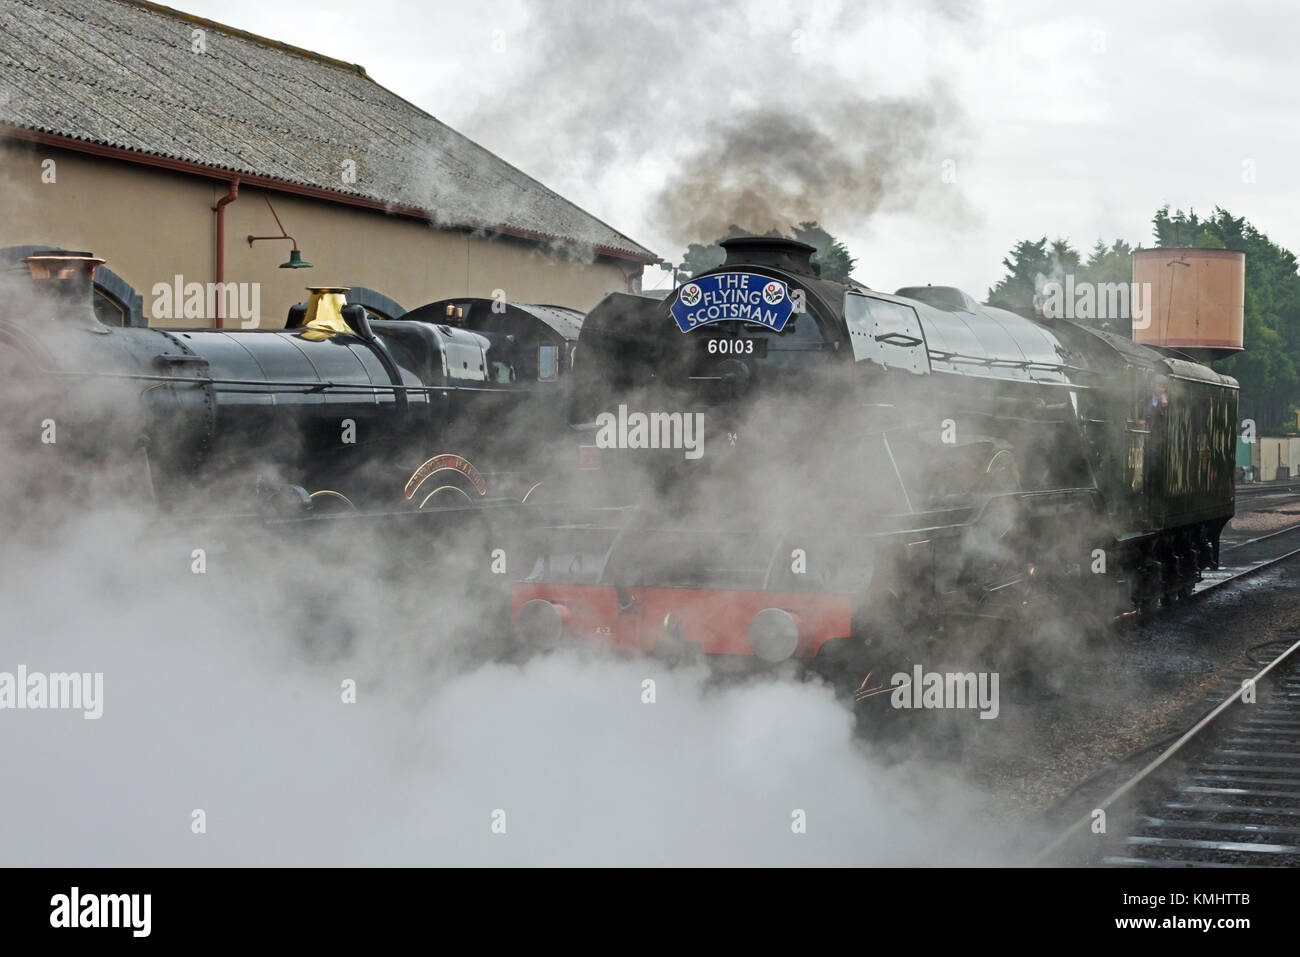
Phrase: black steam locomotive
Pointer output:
(856, 460)
(336, 410)
(799, 466)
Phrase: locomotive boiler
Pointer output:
(868, 463)
(336, 410)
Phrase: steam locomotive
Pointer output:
(336, 410)
(859, 464)
(771, 465)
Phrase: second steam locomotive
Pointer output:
(334, 410)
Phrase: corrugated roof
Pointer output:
(123, 73)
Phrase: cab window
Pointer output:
(548, 362)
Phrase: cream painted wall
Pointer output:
(137, 219)
(152, 224)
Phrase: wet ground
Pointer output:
(1065, 747)
(1148, 684)
(1087, 710)
(1260, 511)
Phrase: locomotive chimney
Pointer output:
(62, 283)
(788, 255)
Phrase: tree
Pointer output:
(1110, 263)
(832, 255)
(700, 258)
(1176, 230)
(1026, 262)
(1267, 369)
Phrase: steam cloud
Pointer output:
(222, 693)
(738, 109)
(222, 690)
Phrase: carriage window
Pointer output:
(548, 362)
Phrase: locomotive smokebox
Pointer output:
(62, 286)
(789, 255)
(1193, 299)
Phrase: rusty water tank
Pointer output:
(1193, 299)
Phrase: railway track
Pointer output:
(1261, 511)
(1237, 801)
(1224, 793)
(1248, 491)
(1242, 559)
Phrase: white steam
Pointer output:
(218, 697)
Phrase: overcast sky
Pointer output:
(929, 136)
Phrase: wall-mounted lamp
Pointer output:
(295, 255)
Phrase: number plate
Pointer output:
(718, 346)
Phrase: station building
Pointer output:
(162, 142)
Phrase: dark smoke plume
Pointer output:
(770, 167)
(723, 113)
